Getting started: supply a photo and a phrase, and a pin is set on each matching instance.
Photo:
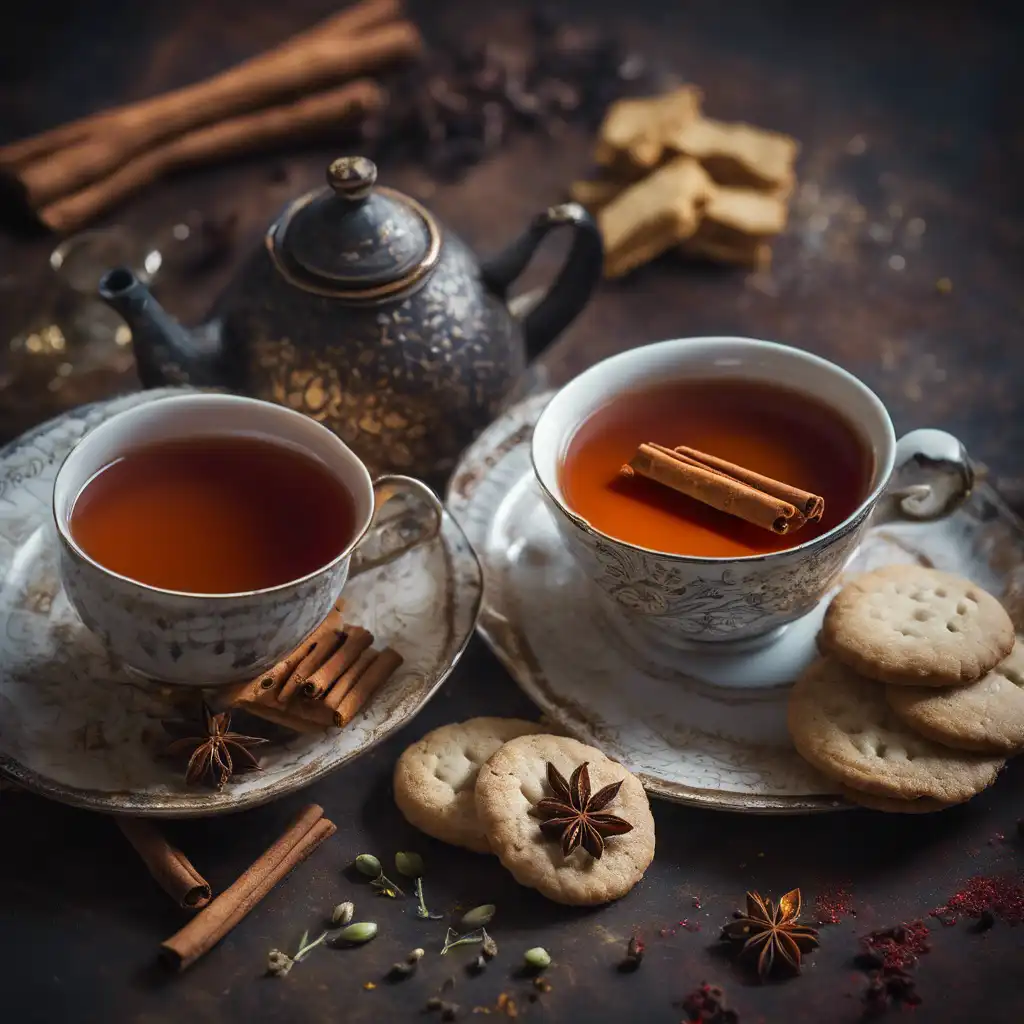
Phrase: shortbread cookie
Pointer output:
(873, 802)
(908, 625)
(987, 715)
(842, 723)
(508, 789)
(434, 778)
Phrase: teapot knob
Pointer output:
(352, 177)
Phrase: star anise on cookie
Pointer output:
(771, 933)
(212, 754)
(574, 815)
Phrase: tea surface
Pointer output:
(213, 515)
(771, 430)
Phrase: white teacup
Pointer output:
(211, 639)
(669, 600)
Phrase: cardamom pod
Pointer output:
(537, 958)
(367, 864)
(355, 934)
(409, 864)
(342, 913)
(477, 917)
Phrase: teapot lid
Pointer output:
(353, 240)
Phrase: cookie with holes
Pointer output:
(842, 724)
(912, 626)
(435, 777)
(987, 715)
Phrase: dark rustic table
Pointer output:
(913, 147)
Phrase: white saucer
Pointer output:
(703, 728)
(78, 729)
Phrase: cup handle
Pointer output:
(932, 478)
(406, 513)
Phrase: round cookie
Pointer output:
(434, 778)
(987, 715)
(908, 625)
(842, 724)
(511, 784)
(873, 802)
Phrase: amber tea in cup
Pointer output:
(781, 433)
(213, 515)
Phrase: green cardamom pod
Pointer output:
(538, 958)
(477, 917)
(367, 864)
(355, 934)
(409, 864)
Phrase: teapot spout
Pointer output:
(165, 352)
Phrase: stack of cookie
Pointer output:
(919, 698)
(490, 784)
(672, 178)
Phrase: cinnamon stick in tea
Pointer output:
(213, 922)
(380, 671)
(811, 505)
(357, 640)
(714, 488)
(321, 645)
(170, 868)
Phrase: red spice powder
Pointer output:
(898, 947)
(832, 905)
(1003, 897)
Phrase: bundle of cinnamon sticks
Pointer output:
(308, 87)
(324, 682)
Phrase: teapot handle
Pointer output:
(578, 277)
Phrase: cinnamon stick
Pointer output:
(349, 22)
(212, 923)
(301, 715)
(357, 640)
(322, 643)
(811, 505)
(345, 683)
(711, 487)
(383, 668)
(290, 122)
(170, 868)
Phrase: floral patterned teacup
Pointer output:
(675, 600)
(212, 639)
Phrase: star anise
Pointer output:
(771, 933)
(575, 817)
(212, 754)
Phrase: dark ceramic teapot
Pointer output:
(362, 311)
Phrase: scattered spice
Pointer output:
(706, 1005)
(542, 984)
(575, 817)
(896, 947)
(1003, 897)
(212, 754)
(696, 902)
(278, 963)
(771, 932)
(408, 967)
(489, 947)
(464, 101)
(891, 986)
(507, 1005)
(369, 986)
(832, 905)
(634, 954)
